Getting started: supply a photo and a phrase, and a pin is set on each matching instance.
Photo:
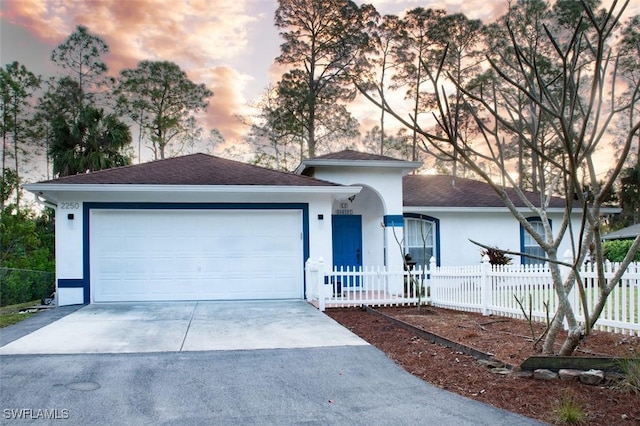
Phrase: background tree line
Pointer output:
(419, 70)
(77, 122)
(81, 119)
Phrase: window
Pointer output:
(528, 243)
(420, 238)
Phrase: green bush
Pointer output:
(27, 243)
(21, 285)
(616, 250)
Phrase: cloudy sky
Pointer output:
(230, 45)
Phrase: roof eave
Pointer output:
(407, 166)
(496, 209)
(46, 190)
(450, 209)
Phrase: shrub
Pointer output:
(20, 285)
(616, 250)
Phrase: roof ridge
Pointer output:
(192, 169)
(255, 166)
(344, 155)
(111, 169)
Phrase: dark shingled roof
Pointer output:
(440, 191)
(194, 169)
(630, 232)
(349, 154)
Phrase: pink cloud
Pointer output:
(199, 35)
(227, 101)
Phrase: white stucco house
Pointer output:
(200, 227)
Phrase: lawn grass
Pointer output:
(11, 314)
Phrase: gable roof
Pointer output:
(447, 191)
(349, 154)
(351, 158)
(194, 169)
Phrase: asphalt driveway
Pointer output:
(173, 364)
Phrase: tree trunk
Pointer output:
(381, 131)
(564, 309)
(552, 334)
(312, 128)
(15, 152)
(571, 342)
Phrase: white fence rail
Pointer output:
(509, 290)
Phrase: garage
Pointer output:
(195, 254)
(195, 227)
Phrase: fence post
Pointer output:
(321, 285)
(485, 285)
(430, 284)
(309, 280)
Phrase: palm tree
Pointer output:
(95, 141)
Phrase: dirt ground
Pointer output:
(509, 340)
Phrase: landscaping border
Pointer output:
(434, 338)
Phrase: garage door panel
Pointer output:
(195, 254)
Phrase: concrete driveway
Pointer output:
(178, 364)
(185, 326)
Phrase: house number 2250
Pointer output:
(69, 206)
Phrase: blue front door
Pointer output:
(347, 243)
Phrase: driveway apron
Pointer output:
(185, 326)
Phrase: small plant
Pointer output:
(529, 317)
(630, 381)
(496, 256)
(569, 412)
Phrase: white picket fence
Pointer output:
(509, 290)
(371, 286)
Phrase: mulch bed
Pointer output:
(507, 339)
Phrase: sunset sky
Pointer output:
(230, 45)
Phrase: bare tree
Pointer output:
(630, 74)
(572, 95)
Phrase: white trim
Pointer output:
(189, 259)
(101, 187)
(397, 164)
(50, 191)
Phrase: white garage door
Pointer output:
(154, 255)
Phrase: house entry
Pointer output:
(347, 243)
